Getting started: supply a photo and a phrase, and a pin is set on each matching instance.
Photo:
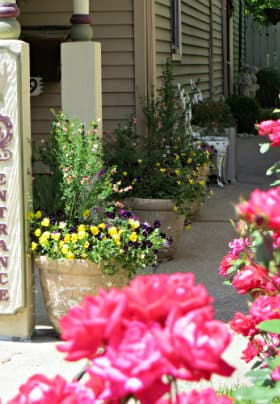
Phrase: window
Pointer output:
(176, 33)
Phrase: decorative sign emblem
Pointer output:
(6, 134)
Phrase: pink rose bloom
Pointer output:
(252, 350)
(152, 297)
(243, 324)
(266, 308)
(275, 375)
(41, 390)
(227, 263)
(272, 129)
(207, 396)
(132, 362)
(249, 278)
(198, 343)
(86, 327)
(262, 209)
(238, 245)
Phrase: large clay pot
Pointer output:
(65, 283)
(150, 210)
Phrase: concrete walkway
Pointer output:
(200, 251)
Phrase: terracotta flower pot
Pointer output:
(150, 210)
(65, 283)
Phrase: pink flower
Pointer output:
(262, 209)
(207, 396)
(266, 308)
(251, 277)
(238, 245)
(41, 390)
(275, 375)
(86, 327)
(243, 324)
(272, 129)
(152, 297)
(227, 263)
(252, 350)
(198, 343)
(132, 362)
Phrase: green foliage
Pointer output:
(268, 113)
(269, 88)
(246, 112)
(256, 8)
(213, 115)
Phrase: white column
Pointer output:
(81, 7)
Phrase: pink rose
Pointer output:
(152, 297)
(41, 390)
(198, 343)
(266, 308)
(271, 128)
(252, 350)
(207, 396)
(238, 245)
(226, 263)
(86, 327)
(249, 278)
(275, 375)
(132, 361)
(243, 324)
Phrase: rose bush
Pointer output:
(139, 353)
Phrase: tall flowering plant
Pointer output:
(138, 342)
(252, 267)
(85, 220)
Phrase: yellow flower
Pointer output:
(134, 223)
(86, 214)
(188, 227)
(112, 231)
(38, 214)
(158, 164)
(67, 238)
(179, 182)
(202, 183)
(191, 181)
(125, 173)
(177, 171)
(84, 256)
(94, 230)
(46, 235)
(37, 232)
(45, 222)
(74, 237)
(62, 225)
(162, 170)
(189, 161)
(55, 236)
(140, 161)
(30, 215)
(175, 208)
(81, 227)
(82, 234)
(177, 157)
(117, 239)
(102, 226)
(70, 255)
(64, 249)
(133, 237)
(86, 245)
(34, 246)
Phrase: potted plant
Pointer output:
(161, 167)
(83, 240)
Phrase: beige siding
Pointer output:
(238, 41)
(113, 27)
(197, 41)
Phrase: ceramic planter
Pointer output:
(65, 283)
(150, 210)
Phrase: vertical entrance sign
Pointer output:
(16, 290)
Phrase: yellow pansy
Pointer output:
(81, 227)
(117, 239)
(177, 171)
(74, 237)
(86, 214)
(46, 235)
(70, 255)
(37, 232)
(86, 245)
(94, 230)
(189, 161)
(30, 215)
(188, 227)
(55, 236)
(67, 238)
(191, 181)
(38, 214)
(34, 246)
(82, 234)
(62, 225)
(125, 173)
(175, 208)
(158, 164)
(134, 223)
(112, 231)
(179, 182)
(45, 222)
(64, 249)
(162, 170)
(202, 183)
(84, 256)
(102, 226)
(133, 237)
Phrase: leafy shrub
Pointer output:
(268, 113)
(212, 115)
(246, 112)
(268, 92)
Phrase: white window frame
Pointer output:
(176, 30)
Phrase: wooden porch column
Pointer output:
(16, 275)
(81, 69)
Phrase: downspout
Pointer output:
(211, 49)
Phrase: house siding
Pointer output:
(113, 28)
(239, 41)
(201, 43)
